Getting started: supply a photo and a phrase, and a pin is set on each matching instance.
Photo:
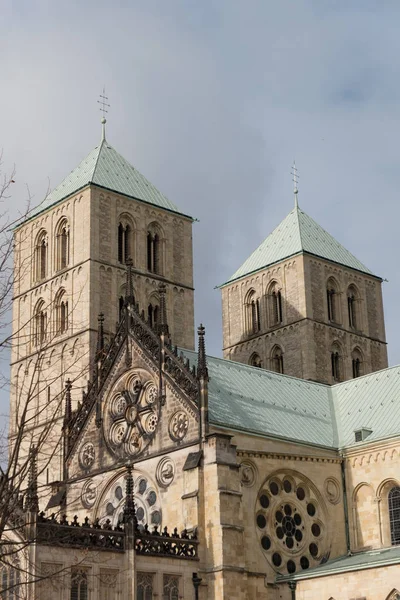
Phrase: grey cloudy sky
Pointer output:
(212, 100)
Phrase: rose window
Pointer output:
(290, 522)
(147, 502)
(131, 414)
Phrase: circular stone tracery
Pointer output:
(131, 414)
(290, 516)
(147, 501)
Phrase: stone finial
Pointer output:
(68, 403)
(32, 499)
(129, 281)
(202, 371)
(100, 335)
(163, 325)
(129, 507)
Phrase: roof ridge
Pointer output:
(260, 369)
(297, 209)
(103, 141)
(365, 376)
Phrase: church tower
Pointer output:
(303, 305)
(71, 258)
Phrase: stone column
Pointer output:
(222, 521)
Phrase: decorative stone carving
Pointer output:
(131, 413)
(332, 490)
(53, 576)
(108, 578)
(178, 426)
(290, 523)
(165, 472)
(146, 497)
(89, 494)
(87, 455)
(248, 473)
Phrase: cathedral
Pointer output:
(159, 472)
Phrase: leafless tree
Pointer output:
(31, 435)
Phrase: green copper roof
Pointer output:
(297, 233)
(251, 399)
(371, 401)
(106, 168)
(263, 402)
(343, 564)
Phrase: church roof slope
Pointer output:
(370, 402)
(297, 233)
(106, 168)
(251, 399)
(254, 400)
(350, 562)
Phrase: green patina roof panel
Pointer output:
(106, 168)
(298, 233)
(371, 401)
(353, 562)
(252, 399)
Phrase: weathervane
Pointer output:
(295, 182)
(103, 102)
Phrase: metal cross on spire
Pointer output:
(104, 103)
(295, 182)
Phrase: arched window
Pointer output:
(79, 585)
(255, 360)
(277, 359)
(356, 362)
(125, 239)
(332, 300)
(145, 586)
(252, 313)
(61, 305)
(39, 323)
(62, 244)
(171, 587)
(153, 314)
(40, 262)
(274, 301)
(336, 363)
(394, 515)
(352, 308)
(154, 249)
(10, 580)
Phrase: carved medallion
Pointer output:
(248, 473)
(165, 472)
(332, 490)
(178, 426)
(131, 414)
(89, 494)
(87, 455)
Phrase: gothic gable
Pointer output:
(133, 412)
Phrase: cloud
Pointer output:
(212, 101)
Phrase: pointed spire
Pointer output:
(163, 325)
(129, 507)
(202, 371)
(32, 499)
(68, 403)
(100, 335)
(129, 281)
(295, 182)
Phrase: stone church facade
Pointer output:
(161, 472)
